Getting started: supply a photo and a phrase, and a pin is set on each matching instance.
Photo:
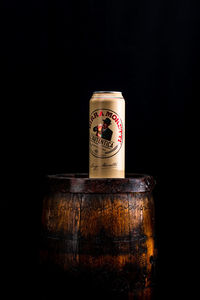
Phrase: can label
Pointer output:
(106, 133)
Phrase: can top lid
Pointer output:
(107, 92)
(80, 183)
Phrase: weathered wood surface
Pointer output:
(105, 240)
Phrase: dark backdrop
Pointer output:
(56, 54)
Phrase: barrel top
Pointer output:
(80, 183)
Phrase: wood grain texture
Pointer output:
(107, 237)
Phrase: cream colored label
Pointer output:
(106, 133)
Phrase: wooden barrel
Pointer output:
(97, 238)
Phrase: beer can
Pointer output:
(107, 135)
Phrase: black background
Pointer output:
(55, 55)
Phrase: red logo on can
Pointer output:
(106, 133)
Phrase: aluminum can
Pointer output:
(107, 135)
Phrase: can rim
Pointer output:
(106, 92)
